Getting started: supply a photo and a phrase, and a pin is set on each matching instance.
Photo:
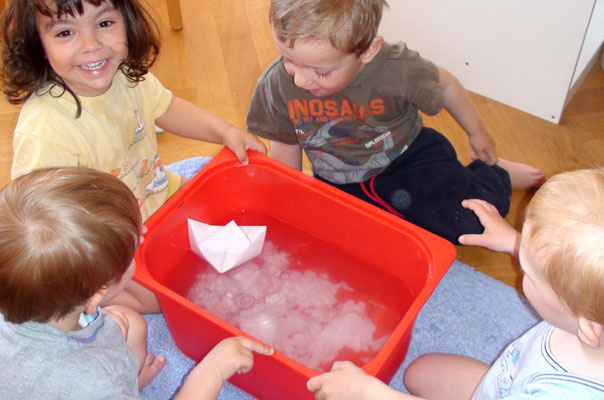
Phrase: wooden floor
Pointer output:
(225, 45)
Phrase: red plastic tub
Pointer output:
(379, 256)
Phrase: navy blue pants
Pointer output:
(427, 183)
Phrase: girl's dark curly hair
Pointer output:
(25, 69)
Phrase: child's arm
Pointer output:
(498, 235)
(444, 376)
(230, 356)
(186, 119)
(459, 104)
(346, 381)
(288, 154)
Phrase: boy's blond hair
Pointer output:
(65, 233)
(349, 25)
(565, 234)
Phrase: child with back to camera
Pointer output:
(561, 251)
(351, 102)
(82, 69)
(67, 242)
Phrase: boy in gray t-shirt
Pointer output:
(352, 103)
(67, 243)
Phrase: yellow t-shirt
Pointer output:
(115, 133)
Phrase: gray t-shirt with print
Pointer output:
(357, 132)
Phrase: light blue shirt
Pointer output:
(39, 361)
(527, 369)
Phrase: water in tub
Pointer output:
(300, 309)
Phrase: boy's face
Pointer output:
(318, 67)
(118, 287)
(85, 50)
(540, 294)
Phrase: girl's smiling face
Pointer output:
(85, 50)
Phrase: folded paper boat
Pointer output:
(226, 247)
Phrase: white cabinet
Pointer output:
(529, 54)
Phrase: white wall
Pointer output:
(519, 52)
(592, 45)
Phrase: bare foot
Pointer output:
(151, 368)
(522, 176)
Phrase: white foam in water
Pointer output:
(295, 312)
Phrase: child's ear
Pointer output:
(374, 48)
(95, 301)
(589, 332)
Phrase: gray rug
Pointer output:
(469, 313)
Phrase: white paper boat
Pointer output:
(226, 247)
